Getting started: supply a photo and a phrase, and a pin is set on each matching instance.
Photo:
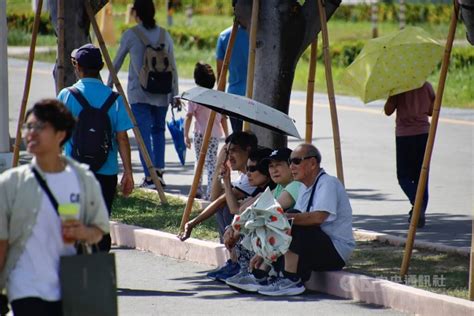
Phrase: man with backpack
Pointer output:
(101, 131)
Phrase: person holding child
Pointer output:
(204, 77)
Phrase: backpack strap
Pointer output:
(109, 102)
(161, 40)
(44, 185)
(79, 97)
(141, 36)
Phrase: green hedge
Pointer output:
(24, 22)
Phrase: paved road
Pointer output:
(368, 150)
(155, 285)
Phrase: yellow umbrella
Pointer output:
(393, 64)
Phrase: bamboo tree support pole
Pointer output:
(420, 190)
(310, 91)
(251, 61)
(471, 265)
(61, 53)
(330, 88)
(207, 135)
(116, 81)
(26, 90)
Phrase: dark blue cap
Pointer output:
(88, 56)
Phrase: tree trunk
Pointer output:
(285, 30)
(76, 29)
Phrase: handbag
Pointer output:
(88, 280)
(88, 284)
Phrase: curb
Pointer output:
(340, 283)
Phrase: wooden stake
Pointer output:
(429, 145)
(26, 90)
(207, 134)
(310, 91)
(251, 61)
(61, 56)
(330, 87)
(116, 81)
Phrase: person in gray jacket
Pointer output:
(148, 108)
(32, 235)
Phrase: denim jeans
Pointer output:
(151, 121)
(410, 153)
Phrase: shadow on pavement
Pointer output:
(440, 227)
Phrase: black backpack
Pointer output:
(92, 137)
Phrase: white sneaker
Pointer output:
(282, 287)
(245, 281)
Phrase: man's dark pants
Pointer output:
(315, 250)
(108, 184)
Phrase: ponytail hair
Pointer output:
(145, 10)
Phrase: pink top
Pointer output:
(201, 113)
(413, 108)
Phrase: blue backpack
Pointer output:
(92, 137)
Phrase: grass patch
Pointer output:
(143, 208)
(432, 271)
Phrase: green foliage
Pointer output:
(388, 12)
(24, 22)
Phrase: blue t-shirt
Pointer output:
(238, 61)
(96, 93)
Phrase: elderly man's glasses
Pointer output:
(297, 160)
(33, 127)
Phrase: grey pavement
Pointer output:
(153, 285)
(368, 151)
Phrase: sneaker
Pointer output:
(159, 173)
(282, 286)
(245, 281)
(147, 184)
(229, 269)
(421, 220)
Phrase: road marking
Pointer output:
(299, 102)
(377, 112)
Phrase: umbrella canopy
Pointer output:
(265, 228)
(176, 128)
(243, 108)
(393, 64)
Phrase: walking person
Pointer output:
(152, 81)
(204, 77)
(32, 235)
(102, 111)
(412, 127)
(237, 82)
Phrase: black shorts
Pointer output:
(315, 250)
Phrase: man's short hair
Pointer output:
(243, 139)
(55, 113)
(312, 151)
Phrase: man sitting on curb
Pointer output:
(238, 147)
(322, 225)
(89, 92)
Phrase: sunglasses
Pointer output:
(252, 168)
(297, 160)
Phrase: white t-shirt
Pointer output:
(331, 197)
(242, 184)
(36, 273)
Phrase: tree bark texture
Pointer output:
(285, 30)
(76, 30)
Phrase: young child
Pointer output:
(204, 77)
